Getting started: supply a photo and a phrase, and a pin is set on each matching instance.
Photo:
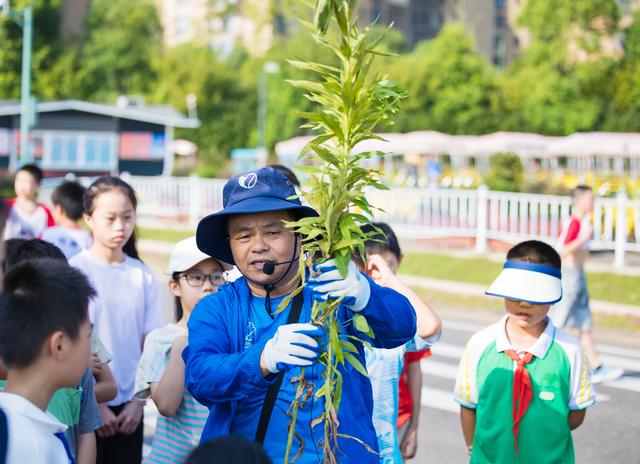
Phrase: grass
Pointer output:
(164, 235)
(602, 286)
(437, 299)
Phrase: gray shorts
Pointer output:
(573, 310)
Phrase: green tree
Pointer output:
(449, 85)
(285, 102)
(624, 109)
(505, 173)
(120, 52)
(45, 48)
(226, 104)
(561, 84)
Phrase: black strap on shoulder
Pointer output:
(4, 437)
(272, 393)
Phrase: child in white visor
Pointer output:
(523, 384)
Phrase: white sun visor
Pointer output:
(533, 283)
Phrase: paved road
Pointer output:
(610, 434)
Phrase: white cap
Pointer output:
(186, 254)
(533, 283)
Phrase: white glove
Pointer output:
(329, 284)
(291, 345)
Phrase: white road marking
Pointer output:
(439, 369)
(448, 350)
(439, 399)
(624, 383)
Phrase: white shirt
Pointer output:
(31, 433)
(20, 224)
(71, 240)
(127, 308)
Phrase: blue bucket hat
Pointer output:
(253, 192)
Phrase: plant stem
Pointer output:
(328, 393)
(294, 415)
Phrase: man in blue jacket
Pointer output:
(239, 342)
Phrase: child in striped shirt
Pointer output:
(160, 375)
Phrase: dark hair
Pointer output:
(535, 252)
(20, 249)
(4, 212)
(178, 306)
(40, 296)
(579, 190)
(107, 184)
(230, 450)
(68, 195)
(34, 170)
(383, 239)
(10, 247)
(287, 172)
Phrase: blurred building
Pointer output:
(490, 22)
(92, 139)
(221, 24)
(417, 19)
(72, 14)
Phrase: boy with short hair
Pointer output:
(385, 366)
(27, 218)
(75, 407)
(524, 384)
(45, 343)
(67, 212)
(574, 311)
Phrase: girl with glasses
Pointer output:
(160, 375)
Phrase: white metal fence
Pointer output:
(424, 213)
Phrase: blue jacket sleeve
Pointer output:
(390, 315)
(215, 371)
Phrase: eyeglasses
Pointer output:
(197, 279)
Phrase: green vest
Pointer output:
(545, 435)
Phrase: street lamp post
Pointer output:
(24, 19)
(270, 67)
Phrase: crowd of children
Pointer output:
(84, 344)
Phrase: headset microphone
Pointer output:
(269, 267)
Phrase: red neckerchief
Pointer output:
(522, 390)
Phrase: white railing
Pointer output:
(423, 213)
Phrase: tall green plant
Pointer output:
(351, 102)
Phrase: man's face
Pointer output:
(257, 238)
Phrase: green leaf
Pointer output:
(322, 15)
(361, 324)
(351, 359)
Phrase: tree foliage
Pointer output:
(226, 105)
(505, 174)
(117, 57)
(46, 50)
(448, 83)
(564, 81)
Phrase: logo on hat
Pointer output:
(248, 181)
